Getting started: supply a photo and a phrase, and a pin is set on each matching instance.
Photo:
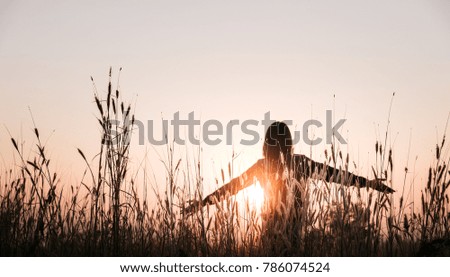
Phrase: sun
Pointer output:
(255, 196)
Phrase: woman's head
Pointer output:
(278, 141)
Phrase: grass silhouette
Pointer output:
(105, 216)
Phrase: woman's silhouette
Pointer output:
(278, 166)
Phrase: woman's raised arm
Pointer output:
(306, 167)
(231, 188)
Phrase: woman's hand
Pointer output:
(191, 206)
(378, 184)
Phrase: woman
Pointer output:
(278, 166)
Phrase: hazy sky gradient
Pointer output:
(228, 60)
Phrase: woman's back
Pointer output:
(278, 164)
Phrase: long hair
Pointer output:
(277, 151)
(278, 143)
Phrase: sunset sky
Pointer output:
(228, 60)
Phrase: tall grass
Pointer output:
(104, 215)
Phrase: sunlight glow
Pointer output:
(255, 196)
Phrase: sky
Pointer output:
(228, 60)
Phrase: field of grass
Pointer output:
(104, 215)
